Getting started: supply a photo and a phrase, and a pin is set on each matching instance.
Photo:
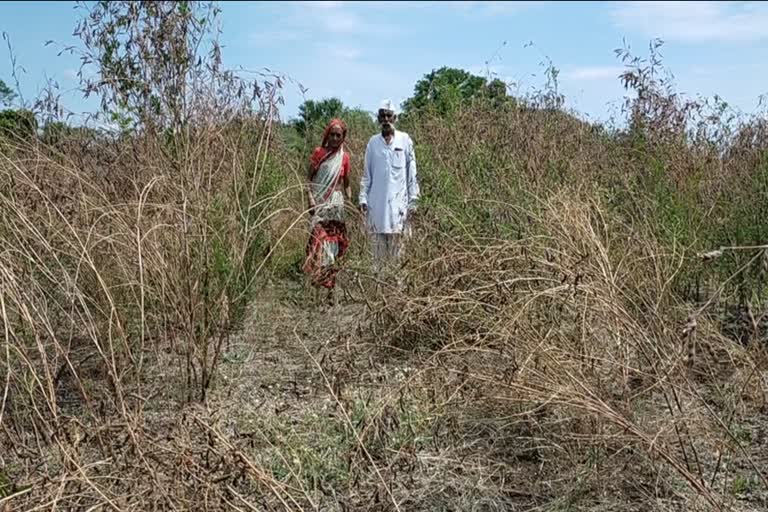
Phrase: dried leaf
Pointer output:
(690, 326)
(711, 255)
(764, 260)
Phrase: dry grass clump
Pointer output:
(574, 331)
(544, 350)
(129, 254)
(104, 273)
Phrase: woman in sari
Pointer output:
(328, 186)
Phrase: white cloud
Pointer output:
(342, 17)
(341, 52)
(492, 8)
(593, 73)
(313, 20)
(694, 21)
(322, 4)
(70, 74)
(275, 37)
(509, 7)
(343, 22)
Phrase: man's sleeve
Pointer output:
(412, 181)
(365, 179)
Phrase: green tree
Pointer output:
(151, 56)
(446, 89)
(17, 124)
(358, 119)
(55, 132)
(6, 94)
(313, 114)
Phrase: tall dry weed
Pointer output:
(575, 326)
(127, 261)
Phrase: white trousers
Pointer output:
(388, 248)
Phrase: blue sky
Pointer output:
(362, 52)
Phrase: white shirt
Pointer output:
(389, 186)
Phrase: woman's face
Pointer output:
(335, 136)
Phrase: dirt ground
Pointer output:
(316, 400)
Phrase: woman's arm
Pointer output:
(347, 188)
(345, 178)
(310, 197)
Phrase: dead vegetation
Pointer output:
(560, 341)
(574, 341)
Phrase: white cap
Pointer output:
(388, 105)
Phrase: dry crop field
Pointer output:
(581, 323)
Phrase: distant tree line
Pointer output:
(15, 123)
(441, 91)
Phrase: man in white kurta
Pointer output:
(389, 189)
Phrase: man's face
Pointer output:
(387, 120)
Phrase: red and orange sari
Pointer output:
(328, 241)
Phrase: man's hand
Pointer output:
(413, 213)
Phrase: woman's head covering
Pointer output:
(334, 122)
(318, 157)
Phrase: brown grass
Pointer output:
(546, 351)
(578, 331)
